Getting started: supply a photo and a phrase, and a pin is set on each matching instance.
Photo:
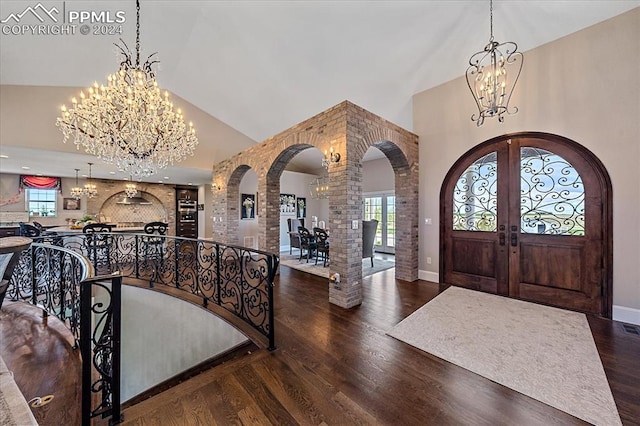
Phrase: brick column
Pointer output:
(345, 206)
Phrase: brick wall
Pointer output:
(350, 130)
(109, 190)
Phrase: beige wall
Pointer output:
(584, 87)
(377, 176)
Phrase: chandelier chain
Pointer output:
(491, 19)
(137, 33)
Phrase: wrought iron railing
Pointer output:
(58, 274)
(238, 279)
(63, 283)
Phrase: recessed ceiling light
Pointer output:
(25, 167)
(39, 174)
(160, 181)
(189, 183)
(112, 173)
(84, 175)
(4, 156)
(166, 177)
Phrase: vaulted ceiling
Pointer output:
(263, 66)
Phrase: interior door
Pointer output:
(523, 217)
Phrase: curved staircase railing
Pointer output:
(58, 268)
(62, 283)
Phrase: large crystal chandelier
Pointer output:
(76, 191)
(129, 122)
(90, 189)
(487, 77)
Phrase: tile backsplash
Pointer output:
(137, 213)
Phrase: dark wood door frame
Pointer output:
(601, 177)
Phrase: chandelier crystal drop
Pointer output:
(129, 122)
(90, 190)
(489, 74)
(76, 191)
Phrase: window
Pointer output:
(41, 202)
(382, 208)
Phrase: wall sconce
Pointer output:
(334, 157)
(216, 187)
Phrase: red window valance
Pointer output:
(40, 182)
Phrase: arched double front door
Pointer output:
(529, 216)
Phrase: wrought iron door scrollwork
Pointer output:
(475, 196)
(552, 194)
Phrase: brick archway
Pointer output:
(350, 131)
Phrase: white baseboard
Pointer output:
(434, 277)
(628, 315)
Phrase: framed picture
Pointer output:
(288, 204)
(70, 204)
(302, 207)
(247, 208)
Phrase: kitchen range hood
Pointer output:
(133, 200)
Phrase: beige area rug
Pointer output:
(542, 352)
(321, 271)
(14, 410)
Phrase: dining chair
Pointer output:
(27, 230)
(154, 246)
(322, 245)
(294, 237)
(307, 241)
(98, 242)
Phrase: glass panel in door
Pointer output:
(475, 196)
(551, 194)
(383, 209)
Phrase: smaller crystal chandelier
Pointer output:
(319, 188)
(334, 157)
(90, 189)
(128, 121)
(487, 77)
(76, 191)
(130, 189)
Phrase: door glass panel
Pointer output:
(391, 221)
(551, 194)
(475, 196)
(373, 210)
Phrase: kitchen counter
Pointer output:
(68, 229)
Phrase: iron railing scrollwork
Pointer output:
(475, 196)
(238, 279)
(552, 194)
(100, 348)
(62, 283)
(58, 273)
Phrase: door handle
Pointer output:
(514, 239)
(502, 238)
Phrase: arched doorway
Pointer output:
(528, 216)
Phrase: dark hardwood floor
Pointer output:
(41, 356)
(335, 366)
